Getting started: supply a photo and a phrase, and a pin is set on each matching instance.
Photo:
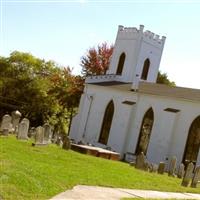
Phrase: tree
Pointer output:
(163, 79)
(97, 60)
(42, 91)
(67, 89)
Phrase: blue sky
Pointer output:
(64, 30)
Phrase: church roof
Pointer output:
(169, 91)
(156, 89)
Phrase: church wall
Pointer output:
(170, 130)
(90, 128)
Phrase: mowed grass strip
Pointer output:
(28, 172)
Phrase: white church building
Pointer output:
(126, 111)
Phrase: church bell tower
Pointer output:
(136, 56)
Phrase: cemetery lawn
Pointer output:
(28, 172)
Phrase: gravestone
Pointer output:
(154, 167)
(4, 132)
(39, 136)
(161, 168)
(140, 161)
(47, 133)
(31, 132)
(196, 177)
(59, 141)
(172, 166)
(66, 143)
(6, 123)
(16, 115)
(181, 171)
(22, 131)
(188, 175)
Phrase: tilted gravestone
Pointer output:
(161, 168)
(22, 133)
(16, 115)
(188, 175)
(66, 143)
(140, 161)
(47, 133)
(196, 177)
(6, 123)
(181, 171)
(39, 136)
(172, 166)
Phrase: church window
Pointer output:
(145, 69)
(145, 132)
(121, 64)
(193, 143)
(106, 124)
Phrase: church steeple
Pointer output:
(136, 56)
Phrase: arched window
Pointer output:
(145, 132)
(145, 69)
(121, 64)
(193, 143)
(106, 124)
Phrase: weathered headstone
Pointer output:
(39, 136)
(172, 166)
(31, 132)
(59, 141)
(6, 123)
(140, 161)
(196, 177)
(4, 132)
(16, 115)
(188, 175)
(26, 121)
(66, 143)
(23, 130)
(155, 168)
(181, 171)
(161, 168)
(47, 133)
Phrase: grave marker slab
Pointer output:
(196, 177)
(6, 123)
(161, 168)
(188, 175)
(23, 129)
(181, 171)
(172, 166)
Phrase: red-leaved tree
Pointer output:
(97, 60)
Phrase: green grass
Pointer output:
(28, 172)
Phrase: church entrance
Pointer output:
(145, 132)
(193, 143)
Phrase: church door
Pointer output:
(145, 132)
(106, 124)
(193, 143)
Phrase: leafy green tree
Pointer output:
(42, 91)
(163, 79)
